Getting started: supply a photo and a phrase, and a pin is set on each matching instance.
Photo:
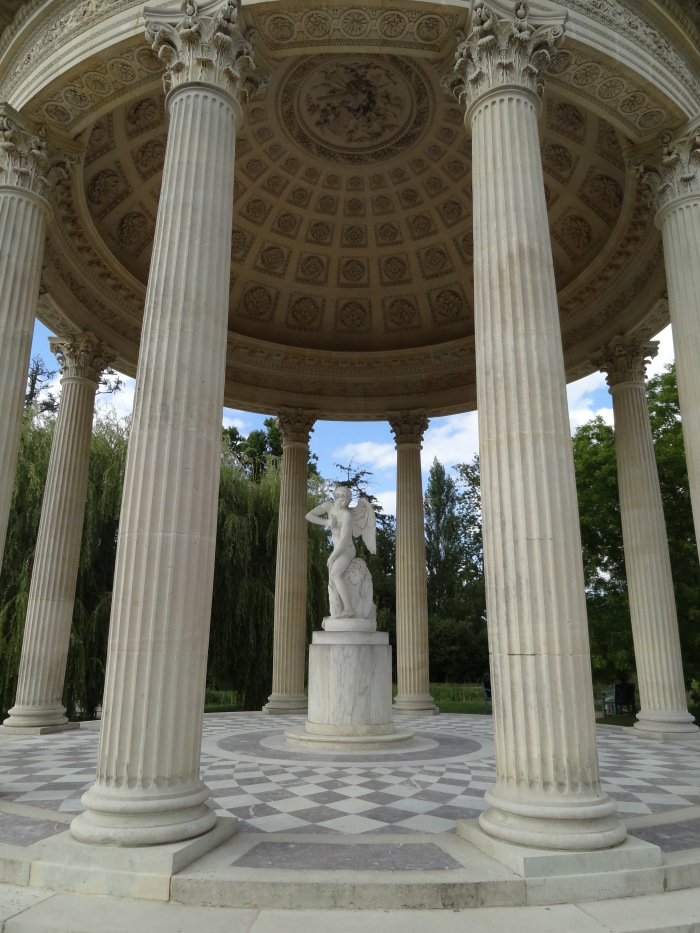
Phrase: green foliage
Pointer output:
(612, 650)
(242, 622)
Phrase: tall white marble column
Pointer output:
(674, 187)
(25, 183)
(412, 655)
(657, 648)
(148, 789)
(42, 670)
(547, 791)
(289, 647)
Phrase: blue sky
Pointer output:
(370, 446)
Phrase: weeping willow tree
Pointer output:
(242, 614)
(240, 643)
(88, 643)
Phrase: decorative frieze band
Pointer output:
(296, 425)
(501, 52)
(625, 359)
(408, 427)
(26, 158)
(677, 173)
(82, 356)
(210, 49)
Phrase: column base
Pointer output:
(653, 724)
(124, 819)
(35, 717)
(410, 704)
(8, 730)
(584, 874)
(559, 823)
(286, 704)
(67, 865)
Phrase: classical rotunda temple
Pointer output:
(348, 211)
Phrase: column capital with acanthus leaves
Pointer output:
(81, 356)
(676, 174)
(28, 160)
(625, 359)
(408, 427)
(500, 52)
(296, 425)
(204, 46)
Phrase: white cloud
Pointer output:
(368, 453)
(585, 397)
(454, 439)
(230, 422)
(387, 500)
(122, 402)
(666, 352)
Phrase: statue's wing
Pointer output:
(365, 524)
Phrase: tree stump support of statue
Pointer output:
(350, 661)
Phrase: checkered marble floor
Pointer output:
(273, 787)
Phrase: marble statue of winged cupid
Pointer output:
(349, 580)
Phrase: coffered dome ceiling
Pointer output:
(351, 287)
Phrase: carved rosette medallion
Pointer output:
(26, 158)
(676, 175)
(210, 49)
(625, 359)
(81, 356)
(355, 109)
(296, 426)
(408, 427)
(500, 53)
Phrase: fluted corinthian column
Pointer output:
(674, 188)
(657, 648)
(412, 656)
(289, 647)
(27, 172)
(148, 788)
(547, 792)
(38, 706)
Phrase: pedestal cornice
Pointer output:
(625, 359)
(81, 356)
(499, 53)
(208, 49)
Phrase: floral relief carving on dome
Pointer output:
(355, 207)
(567, 119)
(299, 196)
(387, 234)
(287, 224)
(382, 204)
(409, 197)
(101, 139)
(305, 312)
(144, 115)
(320, 232)
(451, 211)
(400, 313)
(354, 109)
(434, 261)
(354, 315)
(394, 270)
(256, 209)
(149, 157)
(625, 99)
(421, 225)
(253, 168)
(448, 305)
(106, 189)
(312, 268)
(353, 272)
(558, 161)
(574, 234)
(377, 181)
(259, 302)
(320, 25)
(354, 235)
(327, 204)
(275, 184)
(603, 193)
(241, 241)
(608, 144)
(273, 259)
(434, 185)
(465, 246)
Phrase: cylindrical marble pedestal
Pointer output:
(349, 692)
